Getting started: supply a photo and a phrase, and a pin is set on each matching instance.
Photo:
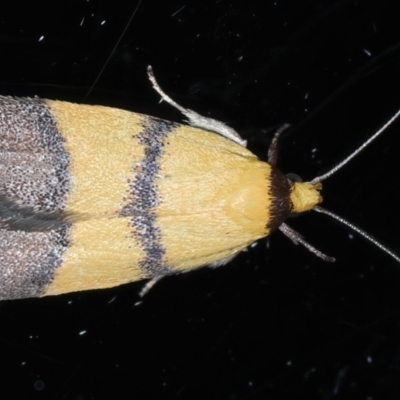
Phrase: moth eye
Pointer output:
(293, 178)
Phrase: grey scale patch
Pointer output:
(34, 178)
(144, 198)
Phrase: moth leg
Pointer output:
(225, 260)
(298, 239)
(196, 119)
(273, 147)
(148, 285)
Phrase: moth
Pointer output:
(93, 197)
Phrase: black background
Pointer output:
(276, 323)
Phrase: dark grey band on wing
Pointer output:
(34, 184)
(144, 198)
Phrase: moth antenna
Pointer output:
(358, 230)
(355, 152)
(114, 48)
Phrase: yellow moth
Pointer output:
(94, 197)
